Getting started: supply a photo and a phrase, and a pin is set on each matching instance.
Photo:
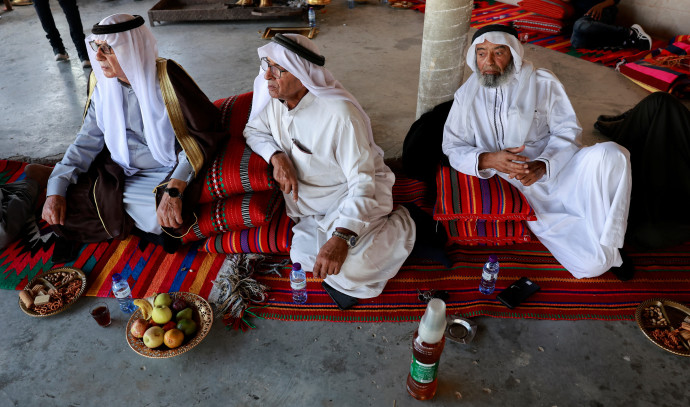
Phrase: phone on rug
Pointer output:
(343, 301)
(517, 292)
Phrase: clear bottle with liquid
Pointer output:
(489, 275)
(123, 293)
(427, 345)
(298, 283)
(312, 17)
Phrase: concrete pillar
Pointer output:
(444, 44)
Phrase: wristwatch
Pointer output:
(173, 192)
(351, 240)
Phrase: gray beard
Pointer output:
(494, 81)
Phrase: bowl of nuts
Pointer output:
(52, 292)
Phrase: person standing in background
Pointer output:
(76, 30)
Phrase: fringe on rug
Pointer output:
(234, 290)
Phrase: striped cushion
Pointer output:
(539, 24)
(236, 170)
(487, 232)
(550, 8)
(463, 197)
(235, 213)
(275, 237)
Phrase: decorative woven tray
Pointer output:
(77, 274)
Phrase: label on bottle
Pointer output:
(423, 372)
(488, 276)
(298, 285)
(124, 293)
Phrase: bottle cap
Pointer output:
(493, 258)
(433, 323)
(296, 266)
(117, 277)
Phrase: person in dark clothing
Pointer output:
(594, 27)
(657, 134)
(76, 30)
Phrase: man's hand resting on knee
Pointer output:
(54, 210)
(331, 257)
(169, 211)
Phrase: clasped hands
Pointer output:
(517, 166)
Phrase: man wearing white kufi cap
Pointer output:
(148, 131)
(336, 186)
(516, 121)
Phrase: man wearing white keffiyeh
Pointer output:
(147, 129)
(512, 120)
(337, 188)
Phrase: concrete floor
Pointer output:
(374, 51)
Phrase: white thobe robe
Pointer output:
(582, 201)
(342, 182)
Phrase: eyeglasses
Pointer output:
(105, 48)
(275, 71)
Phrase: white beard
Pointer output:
(494, 81)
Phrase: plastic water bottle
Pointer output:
(312, 17)
(489, 274)
(427, 345)
(123, 293)
(298, 283)
(350, 3)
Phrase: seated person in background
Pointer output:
(147, 127)
(516, 121)
(18, 202)
(594, 27)
(337, 188)
(657, 134)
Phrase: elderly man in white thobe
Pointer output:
(336, 186)
(516, 121)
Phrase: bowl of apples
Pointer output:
(168, 324)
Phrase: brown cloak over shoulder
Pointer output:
(95, 211)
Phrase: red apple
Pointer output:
(169, 325)
(139, 327)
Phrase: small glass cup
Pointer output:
(101, 314)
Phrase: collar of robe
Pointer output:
(137, 21)
(300, 50)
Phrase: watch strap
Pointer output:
(351, 240)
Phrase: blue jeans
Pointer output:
(591, 33)
(76, 30)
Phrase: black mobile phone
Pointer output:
(517, 292)
(343, 301)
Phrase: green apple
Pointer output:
(153, 337)
(184, 314)
(187, 326)
(163, 299)
(161, 314)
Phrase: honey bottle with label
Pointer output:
(427, 346)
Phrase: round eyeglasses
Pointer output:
(275, 70)
(105, 48)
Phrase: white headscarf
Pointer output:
(136, 51)
(523, 102)
(317, 79)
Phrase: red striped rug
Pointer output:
(149, 269)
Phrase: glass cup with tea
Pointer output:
(100, 313)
